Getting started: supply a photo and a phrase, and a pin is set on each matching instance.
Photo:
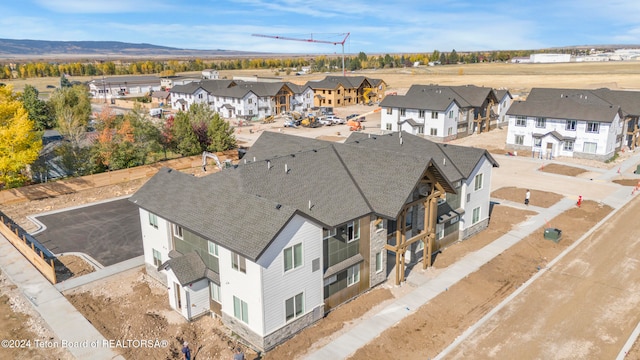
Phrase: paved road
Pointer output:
(109, 232)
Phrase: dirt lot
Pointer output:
(19, 321)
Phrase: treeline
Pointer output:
(317, 64)
(107, 142)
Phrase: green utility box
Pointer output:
(553, 234)
(637, 169)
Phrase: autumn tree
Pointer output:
(38, 110)
(20, 144)
(72, 109)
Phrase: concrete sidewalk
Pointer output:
(370, 328)
(62, 318)
(345, 345)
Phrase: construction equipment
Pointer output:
(362, 117)
(213, 156)
(311, 39)
(365, 96)
(354, 125)
(268, 120)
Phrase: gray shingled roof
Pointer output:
(189, 88)
(244, 208)
(213, 208)
(568, 107)
(465, 95)
(629, 101)
(437, 99)
(187, 268)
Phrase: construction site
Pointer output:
(492, 308)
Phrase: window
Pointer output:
(537, 142)
(250, 112)
(571, 125)
(329, 102)
(353, 231)
(434, 132)
(590, 147)
(213, 249)
(215, 292)
(521, 121)
(240, 310)
(153, 220)
(389, 111)
(250, 101)
(379, 224)
(567, 145)
(476, 215)
(478, 182)
(238, 262)
(519, 140)
(421, 114)
(389, 127)
(353, 275)
(593, 127)
(541, 122)
(434, 114)
(294, 306)
(199, 96)
(378, 262)
(408, 220)
(157, 258)
(420, 245)
(328, 233)
(403, 112)
(338, 91)
(177, 231)
(450, 114)
(292, 257)
(450, 131)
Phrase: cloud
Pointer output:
(102, 6)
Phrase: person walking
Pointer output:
(186, 351)
(527, 196)
(239, 355)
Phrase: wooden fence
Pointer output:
(68, 186)
(41, 259)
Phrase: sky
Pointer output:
(374, 27)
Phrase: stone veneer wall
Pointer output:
(154, 273)
(377, 242)
(272, 340)
(481, 225)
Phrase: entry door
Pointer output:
(176, 289)
(550, 150)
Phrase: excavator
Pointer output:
(355, 124)
(213, 156)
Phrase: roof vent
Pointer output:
(286, 169)
(444, 161)
(254, 159)
(278, 206)
(268, 164)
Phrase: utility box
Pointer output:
(553, 234)
(637, 169)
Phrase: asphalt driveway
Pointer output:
(108, 232)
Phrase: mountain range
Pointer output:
(12, 48)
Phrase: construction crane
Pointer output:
(311, 39)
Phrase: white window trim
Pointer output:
(379, 259)
(293, 257)
(473, 213)
(295, 314)
(178, 231)
(215, 292)
(216, 250)
(353, 275)
(356, 236)
(475, 182)
(243, 306)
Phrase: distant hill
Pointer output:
(32, 48)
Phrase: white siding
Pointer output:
(478, 198)
(152, 238)
(198, 293)
(172, 282)
(278, 286)
(247, 287)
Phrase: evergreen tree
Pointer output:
(38, 110)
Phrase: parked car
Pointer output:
(336, 120)
(324, 121)
(349, 117)
(289, 123)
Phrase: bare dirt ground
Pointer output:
(436, 324)
(562, 169)
(21, 325)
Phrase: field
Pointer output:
(422, 336)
